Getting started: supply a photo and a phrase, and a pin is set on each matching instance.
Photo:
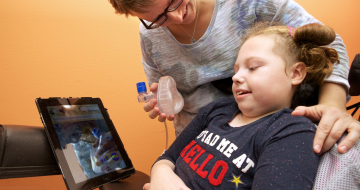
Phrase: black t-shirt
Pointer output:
(274, 152)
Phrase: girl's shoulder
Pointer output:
(282, 124)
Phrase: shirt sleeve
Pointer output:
(286, 159)
(292, 14)
(151, 69)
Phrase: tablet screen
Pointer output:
(84, 141)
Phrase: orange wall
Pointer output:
(81, 48)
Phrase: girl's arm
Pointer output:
(164, 178)
(334, 120)
(162, 173)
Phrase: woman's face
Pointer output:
(184, 14)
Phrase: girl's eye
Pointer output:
(252, 68)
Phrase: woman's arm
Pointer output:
(153, 75)
(334, 120)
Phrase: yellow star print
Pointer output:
(236, 180)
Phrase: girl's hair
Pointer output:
(125, 6)
(305, 44)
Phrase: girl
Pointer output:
(251, 141)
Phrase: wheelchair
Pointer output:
(342, 171)
(354, 80)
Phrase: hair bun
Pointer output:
(314, 34)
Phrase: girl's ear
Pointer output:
(298, 73)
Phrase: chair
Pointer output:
(25, 152)
(354, 80)
(342, 171)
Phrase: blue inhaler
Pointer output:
(142, 91)
(168, 98)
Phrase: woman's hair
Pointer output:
(125, 6)
(305, 44)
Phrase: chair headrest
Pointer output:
(354, 77)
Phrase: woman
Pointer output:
(196, 42)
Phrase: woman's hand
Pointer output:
(164, 178)
(333, 123)
(334, 120)
(153, 109)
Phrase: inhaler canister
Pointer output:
(143, 96)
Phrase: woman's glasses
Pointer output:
(174, 4)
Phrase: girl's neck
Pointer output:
(240, 119)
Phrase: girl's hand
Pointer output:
(333, 123)
(171, 186)
(146, 186)
(164, 178)
(153, 109)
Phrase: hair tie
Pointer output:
(291, 31)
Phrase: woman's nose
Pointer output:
(175, 16)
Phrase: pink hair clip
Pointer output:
(291, 31)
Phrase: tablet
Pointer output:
(85, 142)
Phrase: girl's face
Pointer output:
(184, 14)
(260, 84)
